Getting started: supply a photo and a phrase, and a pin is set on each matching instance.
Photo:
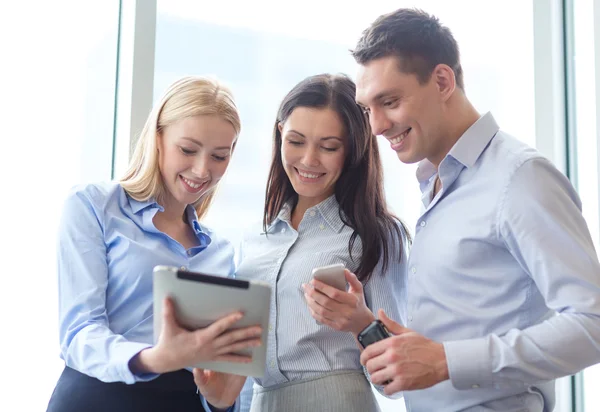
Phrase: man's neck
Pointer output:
(461, 116)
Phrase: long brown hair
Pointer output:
(359, 189)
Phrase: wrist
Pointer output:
(145, 362)
(218, 407)
(442, 371)
(365, 321)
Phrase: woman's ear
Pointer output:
(159, 141)
(280, 127)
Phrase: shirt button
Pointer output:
(475, 386)
(283, 230)
(423, 223)
(312, 213)
(321, 226)
(272, 364)
(183, 268)
(189, 253)
(270, 327)
(413, 269)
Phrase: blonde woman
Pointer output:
(112, 235)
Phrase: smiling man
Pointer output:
(503, 287)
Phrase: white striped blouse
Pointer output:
(299, 348)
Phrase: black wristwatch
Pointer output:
(375, 332)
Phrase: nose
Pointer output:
(379, 122)
(311, 157)
(200, 168)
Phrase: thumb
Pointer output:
(394, 327)
(168, 313)
(200, 377)
(355, 285)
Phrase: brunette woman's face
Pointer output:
(313, 151)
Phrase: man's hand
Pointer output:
(343, 311)
(219, 389)
(408, 360)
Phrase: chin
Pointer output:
(409, 158)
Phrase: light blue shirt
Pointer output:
(298, 347)
(503, 272)
(108, 246)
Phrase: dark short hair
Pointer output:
(359, 189)
(417, 39)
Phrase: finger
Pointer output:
(323, 320)
(323, 312)
(377, 363)
(320, 299)
(237, 335)
(382, 376)
(396, 385)
(230, 357)
(239, 346)
(372, 351)
(200, 378)
(393, 327)
(168, 313)
(218, 327)
(355, 285)
(331, 292)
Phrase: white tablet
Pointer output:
(200, 299)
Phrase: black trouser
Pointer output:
(77, 392)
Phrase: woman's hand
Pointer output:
(343, 311)
(178, 348)
(219, 389)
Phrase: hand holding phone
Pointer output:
(332, 275)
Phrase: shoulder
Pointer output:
(510, 153)
(95, 194)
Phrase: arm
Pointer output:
(87, 343)
(388, 293)
(542, 226)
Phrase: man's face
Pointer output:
(405, 112)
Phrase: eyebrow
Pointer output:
(191, 139)
(322, 138)
(381, 96)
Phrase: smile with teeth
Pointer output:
(308, 175)
(193, 185)
(401, 137)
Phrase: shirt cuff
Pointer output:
(469, 363)
(126, 354)
(208, 408)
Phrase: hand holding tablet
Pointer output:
(211, 307)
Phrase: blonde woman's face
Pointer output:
(193, 156)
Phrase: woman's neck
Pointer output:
(303, 204)
(173, 213)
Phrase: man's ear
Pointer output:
(445, 80)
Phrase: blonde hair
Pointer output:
(189, 96)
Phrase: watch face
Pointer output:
(373, 333)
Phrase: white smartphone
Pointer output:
(332, 275)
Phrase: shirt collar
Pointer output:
(467, 149)
(137, 205)
(329, 209)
